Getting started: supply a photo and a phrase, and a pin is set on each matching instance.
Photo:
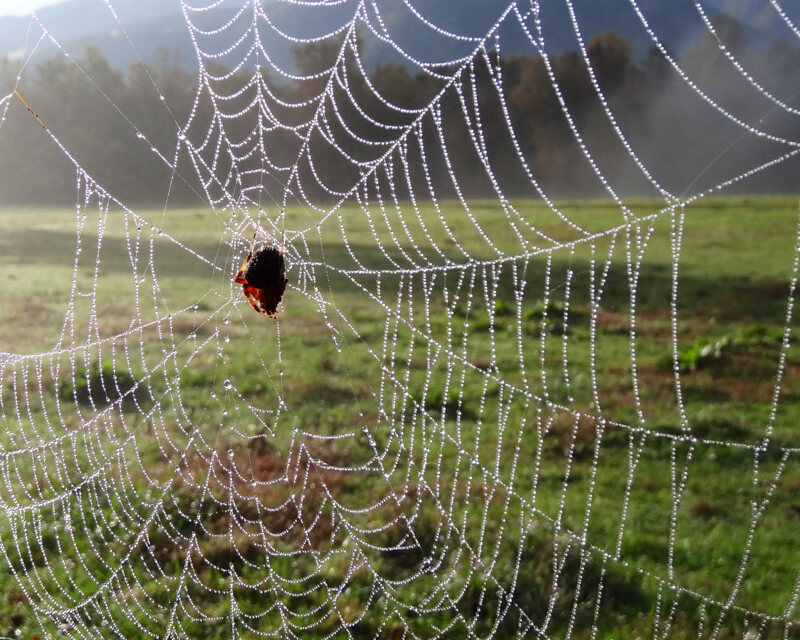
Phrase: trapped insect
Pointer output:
(263, 280)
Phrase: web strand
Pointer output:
(488, 409)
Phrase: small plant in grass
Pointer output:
(706, 353)
(701, 354)
(760, 335)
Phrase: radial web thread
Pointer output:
(502, 435)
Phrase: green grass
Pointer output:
(257, 392)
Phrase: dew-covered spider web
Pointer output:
(535, 373)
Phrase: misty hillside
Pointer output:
(155, 26)
(644, 92)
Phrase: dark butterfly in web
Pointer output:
(263, 279)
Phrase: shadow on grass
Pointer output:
(102, 385)
(727, 296)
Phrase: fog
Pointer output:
(708, 114)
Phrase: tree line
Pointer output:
(95, 111)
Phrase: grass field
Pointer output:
(458, 422)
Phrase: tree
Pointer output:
(610, 55)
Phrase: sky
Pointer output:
(21, 7)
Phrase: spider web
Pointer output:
(472, 460)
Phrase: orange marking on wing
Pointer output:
(253, 296)
(260, 301)
(266, 303)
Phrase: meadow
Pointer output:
(542, 439)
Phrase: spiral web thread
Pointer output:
(463, 499)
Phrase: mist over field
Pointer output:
(689, 139)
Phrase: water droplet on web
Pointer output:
(412, 325)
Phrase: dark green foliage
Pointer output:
(755, 335)
(702, 354)
(625, 594)
(452, 406)
(705, 353)
(552, 309)
(102, 386)
(549, 316)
